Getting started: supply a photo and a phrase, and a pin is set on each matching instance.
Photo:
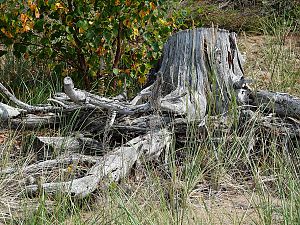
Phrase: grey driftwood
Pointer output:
(200, 79)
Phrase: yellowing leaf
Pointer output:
(152, 5)
(117, 2)
(127, 71)
(26, 28)
(26, 56)
(81, 30)
(163, 22)
(142, 14)
(135, 32)
(73, 43)
(93, 73)
(127, 2)
(23, 17)
(127, 23)
(70, 168)
(31, 5)
(100, 51)
(7, 33)
(37, 13)
(142, 80)
(58, 6)
(119, 83)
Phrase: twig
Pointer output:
(27, 107)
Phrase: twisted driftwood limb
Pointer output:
(52, 164)
(47, 147)
(80, 96)
(112, 166)
(280, 103)
(8, 112)
(30, 121)
(27, 107)
(201, 76)
(16, 119)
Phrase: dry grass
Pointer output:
(273, 64)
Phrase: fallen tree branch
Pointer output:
(80, 96)
(52, 164)
(36, 121)
(7, 112)
(282, 104)
(112, 166)
(27, 107)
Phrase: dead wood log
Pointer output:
(31, 121)
(49, 147)
(7, 112)
(80, 96)
(112, 166)
(282, 104)
(25, 106)
(52, 164)
(201, 76)
(14, 117)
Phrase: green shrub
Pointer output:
(92, 41)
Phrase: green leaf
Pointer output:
(79, 9)
(17, 54)
(143, 68)
(116, 71)
(45, 41)
(82, 24)
(2, 1)
(7, 41)
(70, 37)
(90, 35)
(69, 19)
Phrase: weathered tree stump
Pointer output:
(198, 66)
(201, 75)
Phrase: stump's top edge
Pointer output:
(202, 29)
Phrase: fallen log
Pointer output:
(31, 121)
(52, 164)
(113, 166)
(48, 147)
(8, 112)
(282, 104)
(200, 80)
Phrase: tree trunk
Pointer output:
(200, 67)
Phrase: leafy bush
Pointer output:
(93, 41)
